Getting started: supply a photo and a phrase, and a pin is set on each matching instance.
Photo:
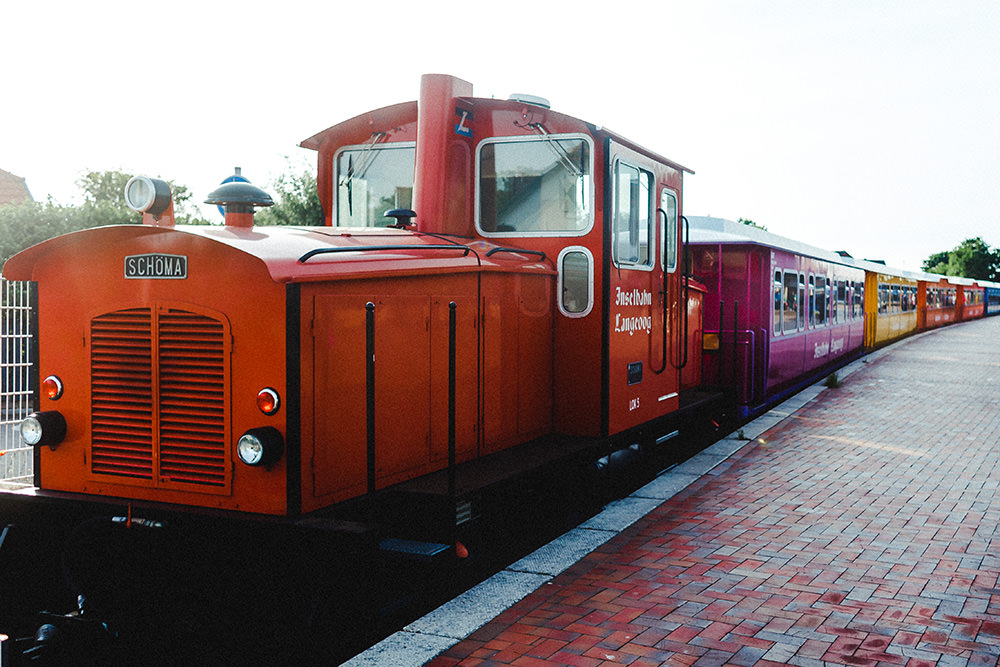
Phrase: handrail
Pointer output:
(745, 339)
(686, 276)
(326, 251)
(517, 250)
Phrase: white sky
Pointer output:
(848, 124)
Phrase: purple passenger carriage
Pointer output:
(778, 313)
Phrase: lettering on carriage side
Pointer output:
(821, 350)
(156, 266)
(837, 346)
(629, 323)
(633, 297)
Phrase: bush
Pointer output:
(23, 225)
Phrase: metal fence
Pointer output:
(17, 379)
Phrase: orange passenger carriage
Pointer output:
(971, 299)
(937, 300)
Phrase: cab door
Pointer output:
(643, 294)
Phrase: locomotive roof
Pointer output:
(398, 114)
(705, 229)
(299, 254)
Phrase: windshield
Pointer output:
(372, 180)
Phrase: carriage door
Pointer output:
(642, 375)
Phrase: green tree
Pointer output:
(297, 202)
(25, 224)
(973, 258)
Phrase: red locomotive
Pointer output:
(226, 367)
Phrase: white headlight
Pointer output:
(261, 446)
(147, 195)
(250, 449)
(44, 428)
(31, 431)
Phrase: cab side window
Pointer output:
(668, 209)
(576, 281)
(632, 221)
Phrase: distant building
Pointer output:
(13, 189)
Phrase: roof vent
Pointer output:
(530, 99)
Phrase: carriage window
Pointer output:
(668, 208)
(802, 301)
(576, 280)
(883, 298)
(372, 180)
(894, 298)
(631, 216)
(859, 298)
(537, 187)
(821, 303)
(790, 317)
(835, 306)
(812, 301)
(841, 301)
(777, 301)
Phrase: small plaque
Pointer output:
(156, 266)
(635, 372)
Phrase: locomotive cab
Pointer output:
(533, 182)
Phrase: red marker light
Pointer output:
(268, 401)
(52, 387)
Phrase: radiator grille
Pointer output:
(121, 360)
(159, 396)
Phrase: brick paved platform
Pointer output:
(861, 529)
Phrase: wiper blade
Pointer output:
(365, 160)
(560, 152)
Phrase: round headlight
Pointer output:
(147, 195)
(43, 429)
(31, 431)
(260, 446)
